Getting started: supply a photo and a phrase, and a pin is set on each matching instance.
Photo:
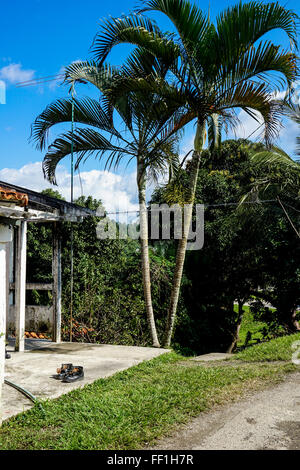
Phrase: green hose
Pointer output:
(26, 393)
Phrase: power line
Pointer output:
(39, 81)
(224, 204)
(291, 207)
(288, 217)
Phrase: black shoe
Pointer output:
(7, 355)
(75, 374)
(63, 371)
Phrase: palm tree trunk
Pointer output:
(145, 254)
(181, 250)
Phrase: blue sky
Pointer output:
(38, 38)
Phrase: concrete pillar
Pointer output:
(20, 285)
(56, 291)
(5, 237)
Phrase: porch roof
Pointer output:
(37, 207)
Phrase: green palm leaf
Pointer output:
(86, 111)
(136, 30)
(85, 142)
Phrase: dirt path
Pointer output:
(268, 419)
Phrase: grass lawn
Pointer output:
(279, 349)
(249, 324)
(134, 407)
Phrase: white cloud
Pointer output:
(117, 192)
(248, 126)
(287, 137)
(13, 73)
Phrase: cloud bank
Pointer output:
(13, 73)
(117, 191)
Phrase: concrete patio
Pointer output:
(33, 368)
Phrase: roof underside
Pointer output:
(21, 203)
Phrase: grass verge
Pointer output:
(279, 349)
(249, 324)
(133, 408)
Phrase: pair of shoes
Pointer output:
(7, 355)
(62, 371)
(75, 374)
(69, 373)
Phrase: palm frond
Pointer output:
(191, 23)
(90, 71)
(241, 25)
(84, 142)
(255, 96)
(86, 111)
(132, 29)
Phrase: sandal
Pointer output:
(75, 374)
(62, 371)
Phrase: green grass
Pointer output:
(136, 406)
(279, 349)
(249, 324)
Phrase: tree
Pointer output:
(213, 70)
(249, 249)
(108, 300)
(150, 143)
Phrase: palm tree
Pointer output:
(270, 164)
(277, 175)
(213, 69)
(147, 139)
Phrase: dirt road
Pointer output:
(268, 419)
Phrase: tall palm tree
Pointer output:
(213, 70)
(147, 139)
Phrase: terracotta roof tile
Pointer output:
(10, 195)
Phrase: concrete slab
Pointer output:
(33, 368)
(212, 357)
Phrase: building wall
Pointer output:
(37, 318)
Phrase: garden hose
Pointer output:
(26, 393)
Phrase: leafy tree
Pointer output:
(108, 293)
(245, 252)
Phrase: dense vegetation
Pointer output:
(243, 245)
(108, 293)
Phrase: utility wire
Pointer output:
(288, 217)
(224, 204)
(34, 81)
(38, 82)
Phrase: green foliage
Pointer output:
(279, 349)
(247, 250)
(270, 317)
(108, 303)
(251, 329)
